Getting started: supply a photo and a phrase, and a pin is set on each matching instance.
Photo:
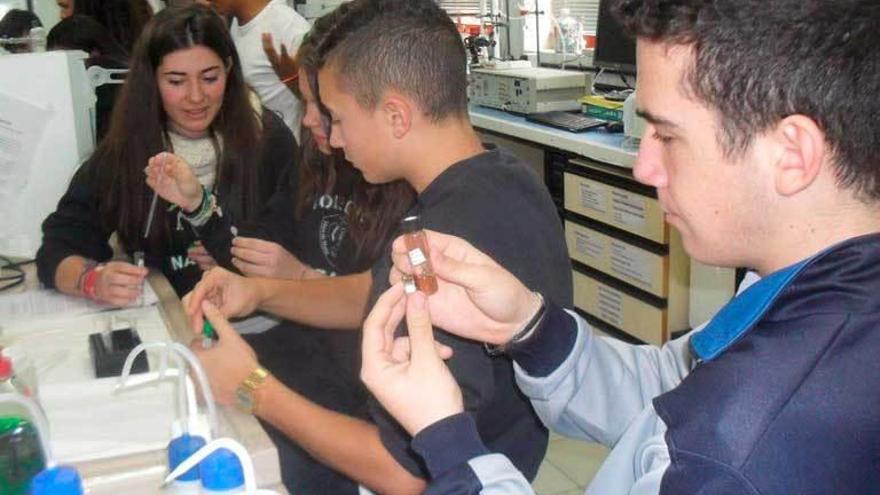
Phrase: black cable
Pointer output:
(17, 277)
(625, 82)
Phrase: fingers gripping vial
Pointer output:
(419, 257)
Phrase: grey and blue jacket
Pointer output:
(778, 394)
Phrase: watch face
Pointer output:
(244, 400)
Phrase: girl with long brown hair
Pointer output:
(184, 93)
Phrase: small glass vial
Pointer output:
(419, 258)
(138, 260)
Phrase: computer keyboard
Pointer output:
(572, 122)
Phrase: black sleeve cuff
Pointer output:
(549, 345)
(448, 443)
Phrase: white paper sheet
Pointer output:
(51, 304)
(21, 125)
(86, 420)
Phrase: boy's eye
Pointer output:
(663, 139)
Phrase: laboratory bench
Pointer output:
(630, 272)
(107, 464)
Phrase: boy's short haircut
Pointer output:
(759, 61)
(411, 46)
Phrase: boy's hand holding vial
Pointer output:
(407, 374)
(474, 296)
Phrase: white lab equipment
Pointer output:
(46, 132)
(189, 432)
(571, 35)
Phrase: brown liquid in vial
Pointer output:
(426, 283)
(423, 273)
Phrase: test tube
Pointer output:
(138, 260)
(419, 257)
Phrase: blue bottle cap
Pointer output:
(59, 480)
(179, 449)
(221, 471)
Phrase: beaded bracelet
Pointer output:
(206, 209)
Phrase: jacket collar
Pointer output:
(843, 278)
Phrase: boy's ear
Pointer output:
(803, 153)
(398, 113)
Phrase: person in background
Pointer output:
(80, 32)
(762, 144)
(404, 117)
(251, 20)
(124, 19)
(184, 93)
(16, 26)
(65, 8)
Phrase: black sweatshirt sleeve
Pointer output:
(279, 174)
(74, 228)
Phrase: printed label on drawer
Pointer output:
(632, 263)
(628, 208)
(588, 244)
(610, 303)
(592, 197)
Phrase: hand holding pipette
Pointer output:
(173, 180)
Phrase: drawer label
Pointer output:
(588, 244)
(632, 263)
(629, 209)
(610, 304)
(592, 197)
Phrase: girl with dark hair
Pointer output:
(184, 93)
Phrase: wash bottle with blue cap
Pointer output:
(190, 431)
(225, 468)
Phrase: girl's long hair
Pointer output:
(377, 208)
(139, 124)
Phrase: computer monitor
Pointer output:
(614, 49)
(46, 132)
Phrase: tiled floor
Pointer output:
(568, 466)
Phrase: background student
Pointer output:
(251, 20)
(778, 393)
(402, 117)
(184, 92)
(17, 24)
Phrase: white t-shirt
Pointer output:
(287, 27)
